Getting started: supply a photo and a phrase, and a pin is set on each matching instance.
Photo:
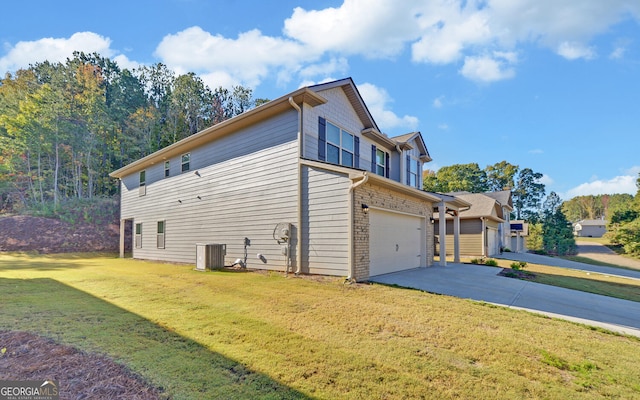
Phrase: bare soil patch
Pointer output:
(25, 356)
(48, 235)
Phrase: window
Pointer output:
(186, 159)
(340, 146)
(381, 162)
(142, 189)
(138, 238)
(413, 168)
(160, 234)
(166, 169)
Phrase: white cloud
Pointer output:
(377, 100)
(54, 50)
(573, 51)
(617, 184)
(488, 68)
(536, 151)
(546, 180)
(247, 59)
(443, 127)
(617, 53)
(437, 102)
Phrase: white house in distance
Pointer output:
(306, 183)
(590, 228)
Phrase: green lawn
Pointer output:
(262, 335)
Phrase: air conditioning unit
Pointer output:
(210, 255)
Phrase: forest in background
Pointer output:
(65, 126)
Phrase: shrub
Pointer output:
(520, 265)
(491, 262)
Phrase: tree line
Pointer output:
(65, 126)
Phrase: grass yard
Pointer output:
(258, 335)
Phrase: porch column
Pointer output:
(456, 237)
(122, 226)
(442, 219)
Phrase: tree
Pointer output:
(528, 193)
(500, 176)
(459, 178)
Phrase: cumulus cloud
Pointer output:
(437, 102)
(617, 184)
(489, 68)
(378, 100)
(573, 51)
(54, 50)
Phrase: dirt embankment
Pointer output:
(47, 235)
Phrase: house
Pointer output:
(590, 228)
(306, 183)
(519, 234)
(484, 225)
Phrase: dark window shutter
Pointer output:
(373, 158)
(356, 152)
(386, 165)
(408, 170)
(322, 139)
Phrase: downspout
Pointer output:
(354, 185)
(484, 237)
(299, 228)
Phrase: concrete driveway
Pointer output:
(483, 283)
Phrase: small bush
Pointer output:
(518, 266)
(476, 261)
(491, 262)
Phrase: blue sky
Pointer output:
(545, 84)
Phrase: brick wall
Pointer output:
(376, 196)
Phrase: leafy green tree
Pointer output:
(557, 233)
(528, 193)
(500, 176)
(460, 178)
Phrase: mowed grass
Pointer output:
(263, 335)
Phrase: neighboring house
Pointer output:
(484, 226)
(305, 183)
(519, 234)
(590, 228)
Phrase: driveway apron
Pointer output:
(483, 283)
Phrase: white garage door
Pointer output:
(493, 242)
(395, 242)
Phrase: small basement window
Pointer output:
(167, 171)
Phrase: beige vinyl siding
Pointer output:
(325, 226)
(470, 237)
(246, 184)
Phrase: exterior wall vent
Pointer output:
(210, 255)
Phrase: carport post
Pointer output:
(442, 217)
(456, 237)
(122, 233)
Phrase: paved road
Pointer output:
(560, 262)
(484, 284)
(600, 252)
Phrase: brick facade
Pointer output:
(388, 199)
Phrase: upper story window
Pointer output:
(185, 161)
(142, 190)
(167, 171)
(337, 146)
(413, 172)
(381, 162)
(340, 146)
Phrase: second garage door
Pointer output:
(395, 242)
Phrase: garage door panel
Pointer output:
(395, 242)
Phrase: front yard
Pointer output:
(262, 335)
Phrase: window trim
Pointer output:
(142, 182)
(160, 236)
(185, 166)
(138, 235)
(384, 165)
(341, 146)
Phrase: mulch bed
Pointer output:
(518, 274)
(25, 356)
